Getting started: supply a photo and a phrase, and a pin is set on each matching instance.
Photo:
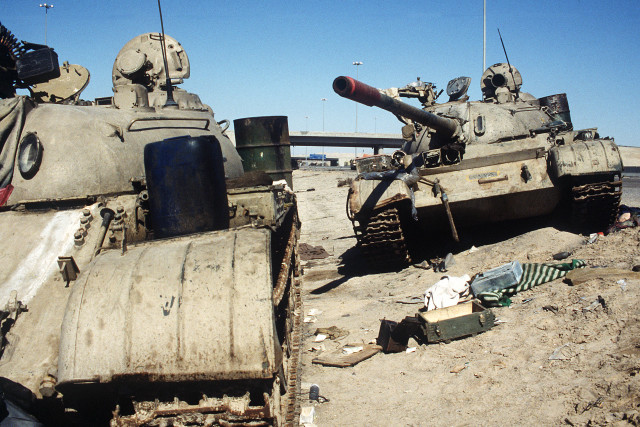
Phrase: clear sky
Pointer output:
(259, 58)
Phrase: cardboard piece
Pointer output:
(340, 360)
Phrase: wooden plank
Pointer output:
(581, 275)
(340, 360)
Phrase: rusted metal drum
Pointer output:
(264, 145)
(558, 106)
(186, 184)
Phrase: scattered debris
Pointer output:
(551, 308)
(411, 300)
(528, 300)
(592, 238)
(393, 337)
(623, 284)
(459, 368)
(425, 265)
(440, 265)
(411, 350)
(307, 415)
(320, 338)
(340, 360)
(332, 332)
(314, 392)
(350, 349)
(595, 404)
(310, 319)
(564, 352)
(308, 252)
(319, 348)
(628, 217)
(446, 292)
(592, 306)
(561, 255)
(603, 303)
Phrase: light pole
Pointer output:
(306, 118)
(323, 101)
(357, 64)
(46, 12)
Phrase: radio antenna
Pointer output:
(171, 103)
(508, 63)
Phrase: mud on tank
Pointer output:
(464, 163)
(149, 280)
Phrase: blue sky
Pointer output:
(255, 58)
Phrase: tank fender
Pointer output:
(196, 307)
(585, 158)
(371, 194)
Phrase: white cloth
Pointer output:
(446, 292)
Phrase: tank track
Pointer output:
(595, 203)
(278, 410)
(382, 240)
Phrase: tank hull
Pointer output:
(157, 291)
(493, 183)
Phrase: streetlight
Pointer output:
(323, 101)
(306, 156)
(357, 64)
(46, 12)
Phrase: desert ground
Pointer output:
(504, 376)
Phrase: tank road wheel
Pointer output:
(382, 239)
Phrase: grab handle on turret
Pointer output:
(350, 88)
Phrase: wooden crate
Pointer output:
(458, 321)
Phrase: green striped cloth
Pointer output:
(532, 275)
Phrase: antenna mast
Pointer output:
(508, 63)
(170, 101)
(484, 36)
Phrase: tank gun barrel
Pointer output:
(355, 90)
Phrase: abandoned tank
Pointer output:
(148, 279)
(465, 163)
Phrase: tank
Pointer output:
(467, 163)
(148, 279)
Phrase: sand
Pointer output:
(507, 378)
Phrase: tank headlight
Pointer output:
(29, 155)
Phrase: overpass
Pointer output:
(342, 139)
